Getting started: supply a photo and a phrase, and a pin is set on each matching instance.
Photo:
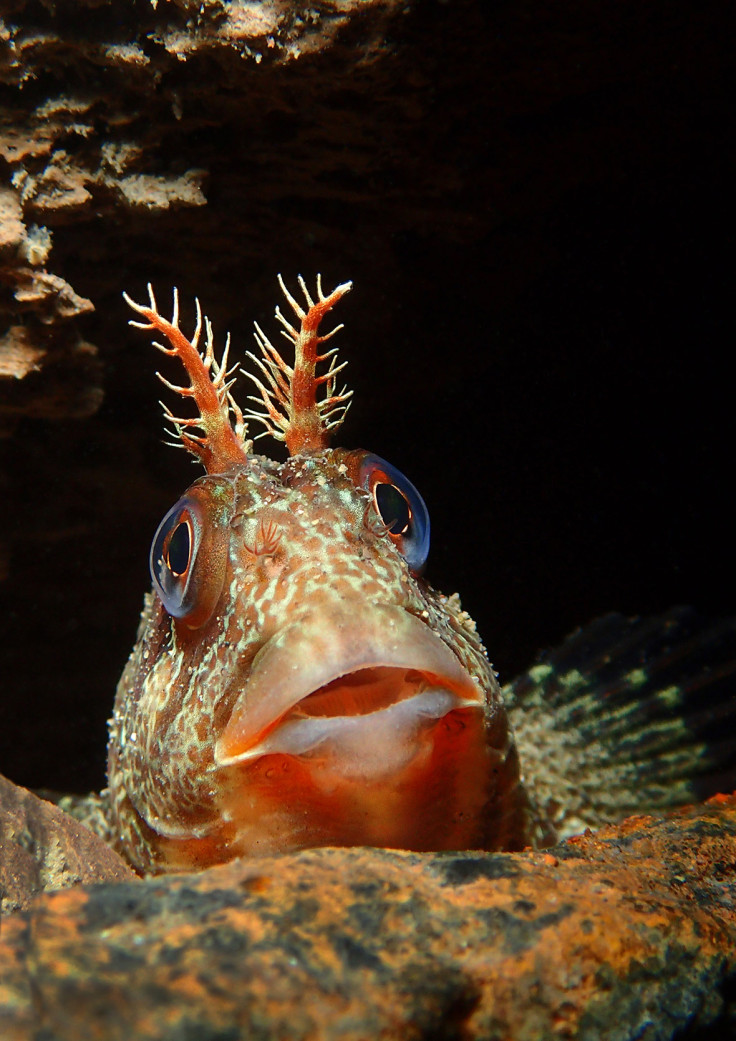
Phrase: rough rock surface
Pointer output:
(42, 848)
(629, 933)
(94, 112)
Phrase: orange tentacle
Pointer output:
(219, 447)
(293, 413)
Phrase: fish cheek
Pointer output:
(209, 584)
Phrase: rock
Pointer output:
(628, 933)
(42, 848)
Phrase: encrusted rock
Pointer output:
(629, 933)
(42, 848)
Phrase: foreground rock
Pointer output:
(42, 848)
(629, 933)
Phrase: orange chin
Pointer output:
(279, 803)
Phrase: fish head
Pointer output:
(296, 682)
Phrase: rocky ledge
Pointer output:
(626, 933)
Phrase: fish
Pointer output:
(297, 682)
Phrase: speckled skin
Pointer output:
(296, 552)
(179, 689)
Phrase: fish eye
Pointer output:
(393, 507)
(400, 507)
(173, 556)
(189, 556)
(178, 550)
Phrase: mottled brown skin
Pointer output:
(295, 557)
(180, 688)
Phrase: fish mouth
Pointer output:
(355, 689)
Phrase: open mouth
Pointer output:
(358, 692)
(370, 720)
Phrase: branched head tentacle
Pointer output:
(211, 436)
(287, 395)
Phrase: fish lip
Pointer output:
(326, 646)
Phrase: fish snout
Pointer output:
(356, 686)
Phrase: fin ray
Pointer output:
(628, 715)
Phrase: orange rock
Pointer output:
(625, 933)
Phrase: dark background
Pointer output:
(537, 220)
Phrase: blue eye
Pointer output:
(400, 507)
(189, 554)
(173, 556)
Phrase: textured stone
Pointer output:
(74, 153)
(18, 356)
(629, 933)
(42, 848)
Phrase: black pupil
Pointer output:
(393, 507)
(177, 551)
